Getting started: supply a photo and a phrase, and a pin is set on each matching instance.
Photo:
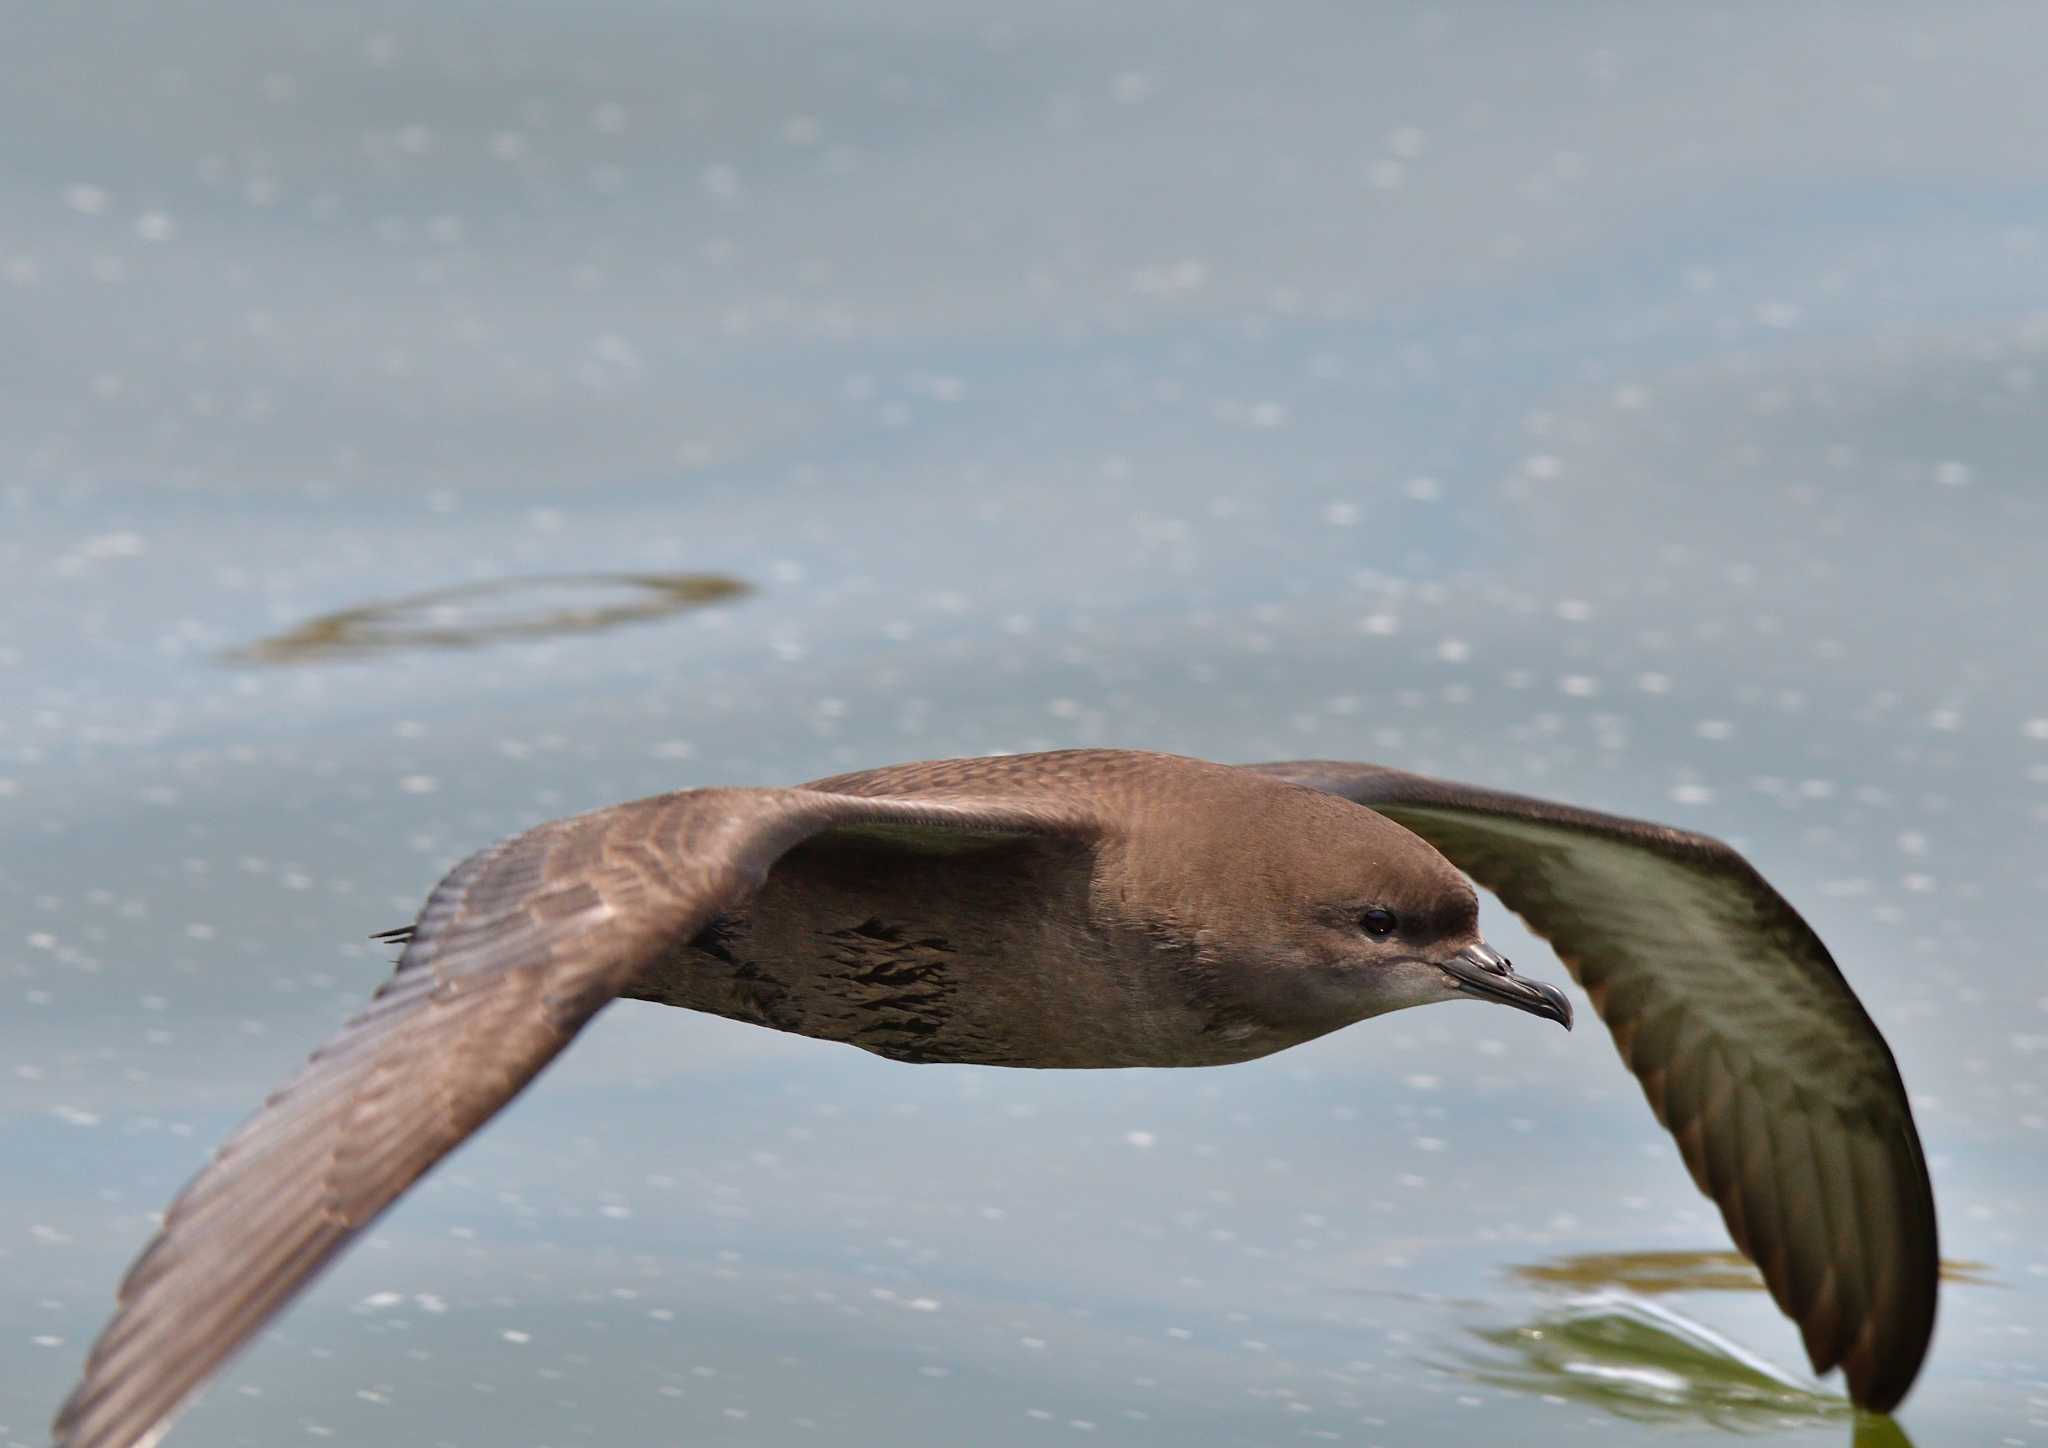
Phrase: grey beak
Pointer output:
(1482, 971)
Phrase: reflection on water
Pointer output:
(1643, 1361)
(1650, 1274)
(494, 611)
(1608, 1346)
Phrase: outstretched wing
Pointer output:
(514, 951)
(1751, 1047)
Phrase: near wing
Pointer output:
(1751, 1047)
(514, 951)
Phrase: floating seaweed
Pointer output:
(1652, 1274)
(471, 615)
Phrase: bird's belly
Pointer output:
(993, 958)
(922, 997)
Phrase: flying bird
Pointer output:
(1085, 908)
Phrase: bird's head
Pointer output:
(1314, 912)
(1369, 959)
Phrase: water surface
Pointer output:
(1636, 406)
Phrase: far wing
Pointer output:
(1751, 1047)
(514, 951)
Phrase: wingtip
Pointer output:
(72, 1428)
(1878, 1386)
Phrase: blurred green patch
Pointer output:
(470, 615)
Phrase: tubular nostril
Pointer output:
(1488, 959)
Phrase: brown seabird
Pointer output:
(1074, 909)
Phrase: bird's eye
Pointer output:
(1377, 922)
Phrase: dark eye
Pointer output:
(1377, 922)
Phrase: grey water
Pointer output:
(420, 421)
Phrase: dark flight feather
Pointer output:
(1751, 1047)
